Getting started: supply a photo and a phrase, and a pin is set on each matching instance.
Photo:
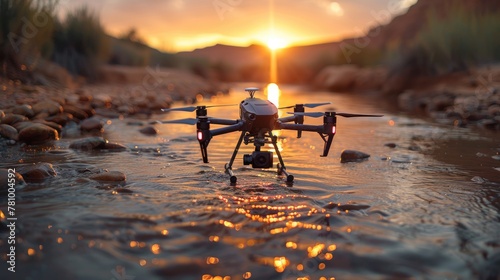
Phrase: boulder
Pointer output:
(92, 124)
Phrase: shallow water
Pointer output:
(427, 209)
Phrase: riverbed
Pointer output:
(424, 205)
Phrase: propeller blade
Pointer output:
(308, 105)
(320, 114)
(180, 121)
(349, 115)
(193, 108)
(308, 114)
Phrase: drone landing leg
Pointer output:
(281, 165)
(229, 165)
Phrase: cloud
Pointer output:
(331, 7)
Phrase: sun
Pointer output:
(274, 43)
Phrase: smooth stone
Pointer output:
(4, 179)
(22, 125)
(38, 133)
(352, 156)
(54, 125)
(61, 119)
(11, 119)
(88, 144)
(75, 111)
(391, 145)
(25, 110)
(112, 176)
(8, 132)
(91, 124)
(2, 114)
(49, 106)
(38, 172)
(148, 130)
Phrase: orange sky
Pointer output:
(178, 25)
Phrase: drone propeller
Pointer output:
(180, 121)
(193, 108)
(308, 105)
(320, 114)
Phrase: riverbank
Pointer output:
(461, 99)
(37, 114)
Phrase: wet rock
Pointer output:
(11, 119)
(53, 125)
(353, 156)
(38, 172)
(8, 132)
(50, 107)
(15, 178)
(344, 207)
(2, 114)
(38, 133)
(75, 111)
(391, 145)
(22, 125)
(107, 113)
(24, 110)
(148, 130)
(88, 144)
(61, 119)
(91, 124)
(112, 176)
(96, 143)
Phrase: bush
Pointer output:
(25, 35)
(80, 44)
(452, 44)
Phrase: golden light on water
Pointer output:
(273, 93)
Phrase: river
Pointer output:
(425, 205)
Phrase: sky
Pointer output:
(183, 25)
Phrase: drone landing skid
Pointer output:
(258, 142)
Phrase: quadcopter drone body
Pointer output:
(258, 119)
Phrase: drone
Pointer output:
(258, 119)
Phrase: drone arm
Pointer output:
(288, 119)
(223, 121)
(227, 129)
(303, 127)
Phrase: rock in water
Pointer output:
(353, 156)
(25, 110)
(38, 172)
(12, 119)
(112, 176)
(88, 144)
(8, 132)
(38, 133)
(91, 124)
(149, 130)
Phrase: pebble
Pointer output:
(92, 124)
(353, 156)
(391, 145)
(61, 119)
(11, 119)
(50, 107)
(38, 172)
(8, 132)
(75, 111)
(2, 114)
(25, 110)
(111, 176)
(38, 133)
(88, 144)
(148, 130)
(95, 143)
